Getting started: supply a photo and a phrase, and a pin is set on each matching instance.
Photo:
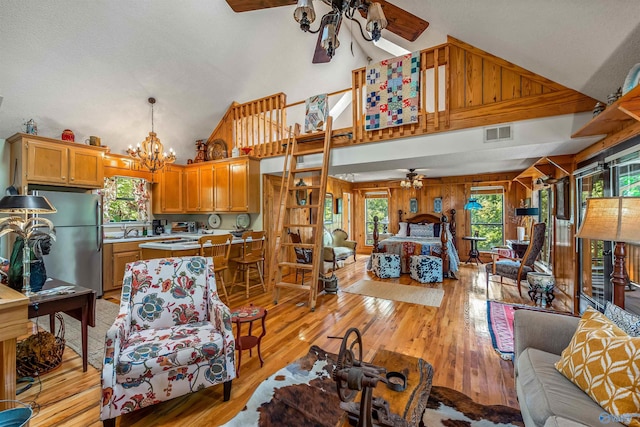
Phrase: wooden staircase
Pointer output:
(306, 218)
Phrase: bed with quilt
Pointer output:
(422, 235)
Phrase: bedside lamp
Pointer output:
(26, 227)
(613, 219)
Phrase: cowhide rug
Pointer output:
(450, 408)
(303, 394)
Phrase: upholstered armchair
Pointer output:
(337, 247)
(171, 337)
(517, 268)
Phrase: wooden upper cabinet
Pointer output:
(167, 193)
(198, 188)
(237, 185)
(54, 162)
(124, 165)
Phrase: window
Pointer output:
(376, 204)
(488, 221)
(125, 199)
(544, 202)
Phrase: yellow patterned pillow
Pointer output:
(605, 363)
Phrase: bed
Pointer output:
(426, 226)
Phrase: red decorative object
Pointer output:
(67, 135)
(246, 150)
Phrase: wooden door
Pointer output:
(192, 190)
(86, 168)
(171, 189)
(207, 184)
(238, 193)
(47, 163)
(221, 189)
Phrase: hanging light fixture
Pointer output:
(151, 154)
(472, 205)
(305, 15)
(413, 181)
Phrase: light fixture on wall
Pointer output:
(413, 181)
(151, 154)
(305, 14)
(28, 229)
(613, 219)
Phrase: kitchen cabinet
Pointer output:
(122, 165)
(237, 185)
(49, 161)
(199, 181)
(115, 257)
(168, 192)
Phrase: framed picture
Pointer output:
(562, 199)
(338, 207)
(413, 205)
(437, 205)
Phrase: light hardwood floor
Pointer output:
(454, 338)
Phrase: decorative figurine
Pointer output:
(31, 127)
(201, 147)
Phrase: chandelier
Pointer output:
(151, 154)
(413, 180)
(330, 22)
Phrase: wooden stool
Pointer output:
(248, 314)
(252, 257)
(219, 251)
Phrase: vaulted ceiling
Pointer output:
(90, 67)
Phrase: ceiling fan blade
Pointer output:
(249, 5)
(403, 23)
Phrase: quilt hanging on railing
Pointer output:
(393, 86)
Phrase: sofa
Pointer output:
(337, 247)
(546, 397)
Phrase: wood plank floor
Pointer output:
(454, 338)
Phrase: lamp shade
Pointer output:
(611, 218)
(527, 211)
(26, 204)
(472, 205)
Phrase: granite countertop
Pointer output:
(179, 245)
(165, 236)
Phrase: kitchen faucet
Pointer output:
(128, 231)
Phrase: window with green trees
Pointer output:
(488, 222)
(125, 199)
(544, 202)
(376, 204)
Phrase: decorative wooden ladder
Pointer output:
(307, 216)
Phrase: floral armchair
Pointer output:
(337, 247)
(171, 337)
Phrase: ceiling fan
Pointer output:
(398, 20)
(413, 180)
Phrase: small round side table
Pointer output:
(248, 314)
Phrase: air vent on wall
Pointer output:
(498, 133)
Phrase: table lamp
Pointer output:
(613, 219)
(525, 221)
(27, 228)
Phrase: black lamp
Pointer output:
(27, 227)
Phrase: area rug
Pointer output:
(395, 292)
(303, 394)
(500, 320)
(450, 408)
(106, 313)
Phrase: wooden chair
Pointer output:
(517, 268)
(303, 255)
(219, 251)
(252, 257)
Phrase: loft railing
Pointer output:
(460, 87)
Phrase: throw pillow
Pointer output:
(605, 363)
(403, 230)
(630, 323)
(421, 230)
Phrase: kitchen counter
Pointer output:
(180, 245)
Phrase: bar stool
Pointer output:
(252, 257)
(219, 251)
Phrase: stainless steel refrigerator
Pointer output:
(76, 254)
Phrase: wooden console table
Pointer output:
(80, 304)
(13, 323)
